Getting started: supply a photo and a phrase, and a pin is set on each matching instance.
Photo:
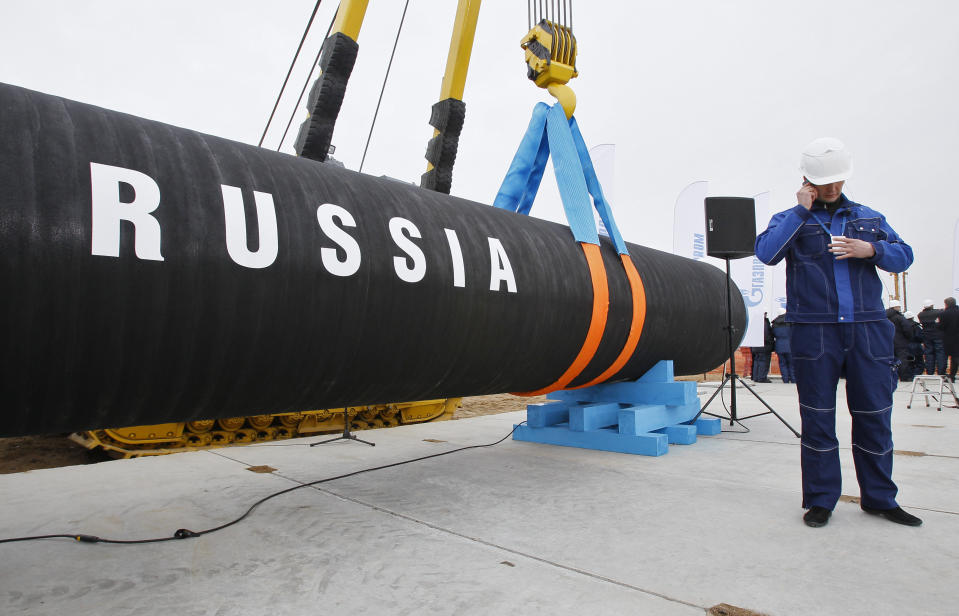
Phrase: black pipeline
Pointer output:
(152, 274)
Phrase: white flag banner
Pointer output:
(777, 273)
(749, 274)
(604, 157)
(955, 261)
(689, 223)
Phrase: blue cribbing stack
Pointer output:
(641, 417)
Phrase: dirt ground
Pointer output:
(25, 453)
(492, 405)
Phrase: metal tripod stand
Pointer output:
(732, 377)
(347, 435)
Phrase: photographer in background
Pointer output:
(932, 335)
(914, 348)
(903, 334)
(762, 356)
(781, 332)
(949, 324)
(832, 248)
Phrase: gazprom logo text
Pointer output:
(699, 245)
(754, 295)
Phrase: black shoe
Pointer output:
(817, 516)
(896, 515)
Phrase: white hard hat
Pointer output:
(928, 303)
(895, 303)
(826, 160)
(909, 314)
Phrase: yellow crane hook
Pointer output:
(551, 60)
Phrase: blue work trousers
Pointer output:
(760, 370)
(863, 352)
(786, 367)
(935, 357)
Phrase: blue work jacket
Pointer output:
(820, 288)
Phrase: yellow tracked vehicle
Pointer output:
(159, 439)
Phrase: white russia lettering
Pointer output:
(108, 211)
(416, 270)
(235, 219)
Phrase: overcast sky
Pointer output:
(727, 92)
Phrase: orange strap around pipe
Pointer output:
(597, 324)
(635, 328)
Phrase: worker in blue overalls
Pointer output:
(832, 248)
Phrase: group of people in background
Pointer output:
(928, 342)
(775, 338)
(924, 343)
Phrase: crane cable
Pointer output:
(289, 71)
(557, 11)
(383, 88)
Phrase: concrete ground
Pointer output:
(517, 528)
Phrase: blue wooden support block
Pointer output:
(662, 372)
(682, 434)
(605, 440)
(549, 414)
(585, 417)
(642, 418)
(708, 426)
(639, 417)
(632, 392)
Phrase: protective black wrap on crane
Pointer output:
(94, 340)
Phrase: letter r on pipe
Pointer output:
(107, 211)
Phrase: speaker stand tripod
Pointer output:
(732, 377)
(347, 435)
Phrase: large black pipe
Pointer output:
(126, 301)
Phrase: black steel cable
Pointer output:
(184, 533)
(289, 71)
(306, 83)
(383, 88)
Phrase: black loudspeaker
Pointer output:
(730, 227)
